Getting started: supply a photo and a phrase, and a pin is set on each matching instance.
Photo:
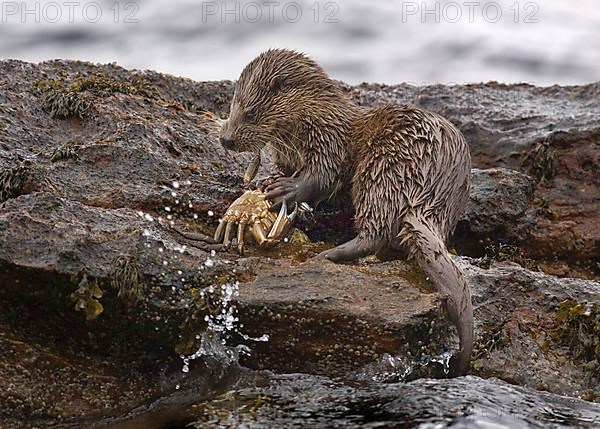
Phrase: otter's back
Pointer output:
(421, 156)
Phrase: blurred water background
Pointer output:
(542, 42)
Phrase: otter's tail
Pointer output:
(429, 251)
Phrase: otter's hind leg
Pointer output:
(354, 249)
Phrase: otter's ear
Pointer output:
(277, 84)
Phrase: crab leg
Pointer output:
(240, 236)
(259, 234)
(219, 232)
(228, 234)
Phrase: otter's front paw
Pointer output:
(262, 184)
(290, 189)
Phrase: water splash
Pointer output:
(401, 368)
(215, 302)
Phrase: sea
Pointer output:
(543, 42)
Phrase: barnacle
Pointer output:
(11, 181)
(126, 277)
(86, 298)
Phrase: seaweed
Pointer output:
(11, 181)
(126, 277)
(103, 86)
(579, 330)
(540, 161)
(505, 252)
(86, 298)
(66, 151)
(63, 102)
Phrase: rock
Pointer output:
(101, 294)
(519, 330)
(499, 210)
(330, 319)
(296, 400)
(501, 121)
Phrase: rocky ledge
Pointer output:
(100, 167)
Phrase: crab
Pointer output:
(254, 219)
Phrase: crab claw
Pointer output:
(283, 222)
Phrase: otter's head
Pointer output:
(275, 92)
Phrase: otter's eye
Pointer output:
(250, 117)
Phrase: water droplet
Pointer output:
(175, 185)
(211, 213)
(167, 209)
(173, 194)
(148, 218)
(195, 216)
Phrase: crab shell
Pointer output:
(252, 211)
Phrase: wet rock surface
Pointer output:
(262, 399)
(101, 294)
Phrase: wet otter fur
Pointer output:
(407, 169)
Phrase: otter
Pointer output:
(407, 169)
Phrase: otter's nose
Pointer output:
(227, 142)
